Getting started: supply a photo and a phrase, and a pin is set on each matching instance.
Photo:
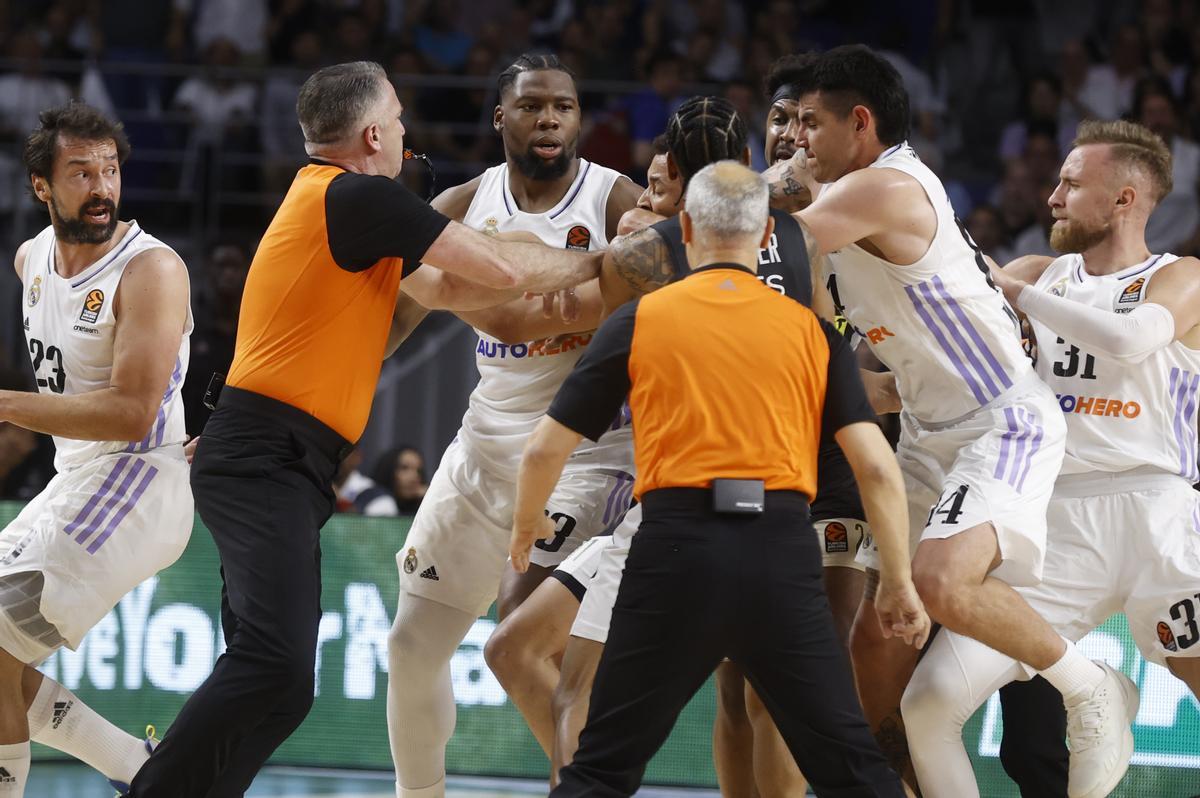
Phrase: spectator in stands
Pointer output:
(26, 458)
(402, 470)
(1016, 197)
(1041, 152)
(216, 315)
(220, 105)
(1173, 227)
(25, 93)
(1035, 239)
(240, 22)
(989, 233)
(469, 109)
(360, 494)
(648, 110)
(1042, 105)
(279, 136)
(1108, 88)
(747, 99)
(352, 40)
(443, 46)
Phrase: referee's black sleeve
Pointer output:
(845, 398)
(370, 217)
(590, 398)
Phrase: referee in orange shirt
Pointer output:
(729, 384)
(315, 320)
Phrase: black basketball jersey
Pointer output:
(783, 266)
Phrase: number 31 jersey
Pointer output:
(70, 325)
(1119, 416)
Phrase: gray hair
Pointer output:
(727, 200)
(334, 101)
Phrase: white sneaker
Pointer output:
(1099, 735)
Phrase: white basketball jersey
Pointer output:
(70, 326)
(939, 324)
(518, 381)
(1119, 415)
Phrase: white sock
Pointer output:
(1074, 675)
(420, 698)
(57, 718)
(14, 769)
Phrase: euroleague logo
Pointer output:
(837, 539)
(92, 304)
(1166, 637)
(1133, 291)
(579, 237)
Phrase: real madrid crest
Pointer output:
(490, 228)
(1059, 288)
(410, 561)
(35, 291)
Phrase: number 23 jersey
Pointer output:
(1119, 416)
(70, 327)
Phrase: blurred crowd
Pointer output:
(997, 89)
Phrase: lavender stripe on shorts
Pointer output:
(1034, 446)
(1005, 444)
(112, 501)
(105, 487)
(145, 481)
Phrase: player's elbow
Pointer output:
(137, 422)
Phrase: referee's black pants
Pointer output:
(262, 480)
(1032, 749)
(698, 587)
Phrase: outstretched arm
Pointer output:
(1170, 312)
(633, 265)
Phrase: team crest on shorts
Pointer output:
(836, 538)
(1166, 637)
(92, 304)
(35, 291)
(410, 561)
(579, 237)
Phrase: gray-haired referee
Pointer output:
(729, 384)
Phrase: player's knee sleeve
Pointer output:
(937, 702)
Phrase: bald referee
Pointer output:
(729, 383)
(315, 318)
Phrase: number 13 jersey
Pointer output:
(1119, 416)
(70, 325)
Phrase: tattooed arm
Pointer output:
(790, 184)
(633, 265)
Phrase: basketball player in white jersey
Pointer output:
(453, 563)
(1118, 333)
(982, 437)
(106, 315)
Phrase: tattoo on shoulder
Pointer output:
(643, 260)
